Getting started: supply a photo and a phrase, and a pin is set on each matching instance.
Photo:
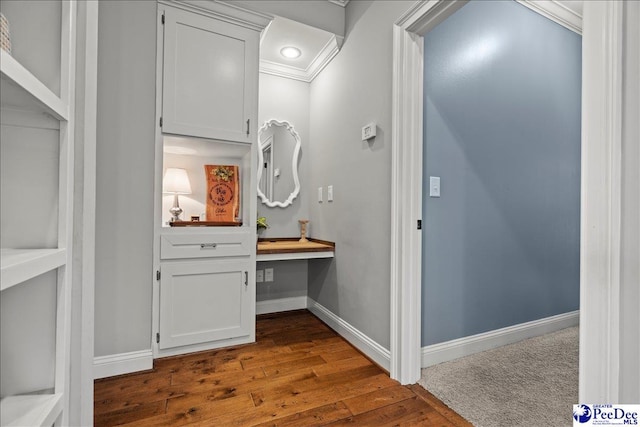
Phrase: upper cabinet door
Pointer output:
(210, 77)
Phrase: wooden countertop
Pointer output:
(292, 248)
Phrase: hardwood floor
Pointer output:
(298, 373)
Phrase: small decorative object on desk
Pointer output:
(5, 34)
(303, 230)
(223, 193)
(261, 224)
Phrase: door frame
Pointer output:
(600, 148)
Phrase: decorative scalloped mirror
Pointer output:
(278, 154)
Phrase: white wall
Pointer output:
(286, 99)
(125, 173)
(353, 90)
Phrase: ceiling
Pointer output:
(318, 47)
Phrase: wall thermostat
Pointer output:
(368, 131)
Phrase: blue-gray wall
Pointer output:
(502, 130)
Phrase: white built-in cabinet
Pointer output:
(36, 141)
(205, 301)
(210, 77)
(206, 107)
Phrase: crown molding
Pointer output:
(557, 12)
(326, 54)
(342, 3)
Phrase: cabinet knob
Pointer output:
(208, 245)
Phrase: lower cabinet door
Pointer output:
(204, 301)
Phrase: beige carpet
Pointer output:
(530, 383)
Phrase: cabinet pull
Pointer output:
(248, 121)
(246, 279)
(208, 245)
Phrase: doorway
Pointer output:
(407, 178)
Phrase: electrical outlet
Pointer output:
(268, 274)
(259, 276)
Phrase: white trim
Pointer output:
(369, 347)
(294, 255)
(83, 398)
(406, 186)
(342, 3)
(454, 349)
(557, 12)
(600, 238)
(322, 59)
(123, 363)
(281, 304)
(224, 11)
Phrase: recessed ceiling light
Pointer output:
(290, 52)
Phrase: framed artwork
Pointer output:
(223, 193)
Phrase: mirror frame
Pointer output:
(294, 164)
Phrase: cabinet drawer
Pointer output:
(176, 246)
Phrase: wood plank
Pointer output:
(313, 417)
(377, 399)
(300, 373)
(108, 388)
(129, 414)
(208, 390)
(284, 245)
(342, 365)
(215, 357)
(216, 414)
(410, 411)
(292, 365)
(271, 408)
(329, 382)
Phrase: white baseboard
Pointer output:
(123, 363)
(282, 304)
(454, 349)
(372, 349)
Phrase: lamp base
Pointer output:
(175, 210)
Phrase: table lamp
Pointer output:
(176, 181)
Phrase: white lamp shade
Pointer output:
(176, 181)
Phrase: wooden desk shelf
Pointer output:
(280, 249)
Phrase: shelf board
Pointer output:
(23, 91)
(19, 265)
(293, 256)
(282, 249)
(30, 410)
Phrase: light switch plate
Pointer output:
(320, 197)
(434, 186)
(268, 274)
(259, 276)
(330, 193)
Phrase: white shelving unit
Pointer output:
(20, 265)
(24, 97)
